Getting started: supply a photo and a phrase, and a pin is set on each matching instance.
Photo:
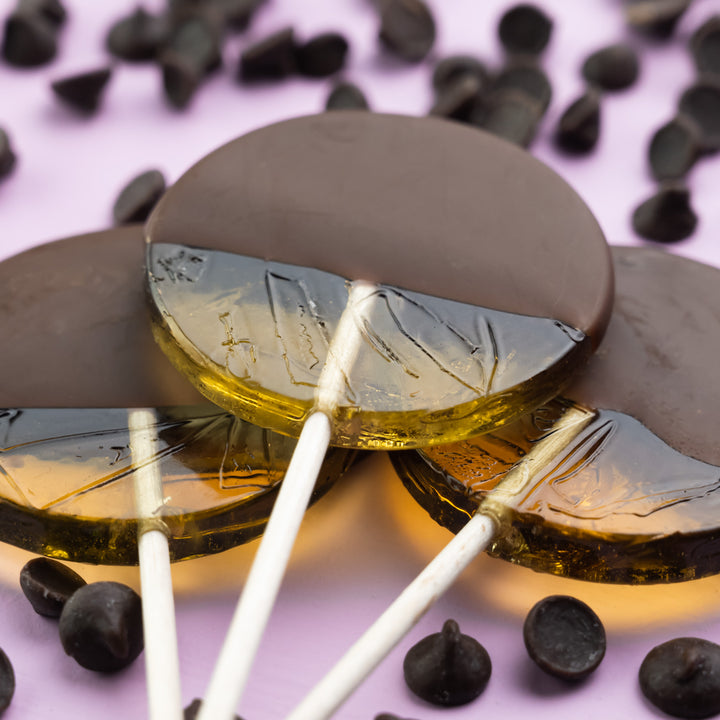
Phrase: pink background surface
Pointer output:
(367, 540)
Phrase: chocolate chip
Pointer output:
(192, 710)
(701, 103)
(239, 13)
(29, 40)
(447, 668)
(578, 128)
(611, 68)
(461, 100)
(452, 68)
(564, 637)
(346, 96)
(52, 10)
(322, 55)
(682, 677)
(137, 37)
(674, 148)
(656, 18)
(513, 116)
(48, 584)
(667, 216)
(7, 681)
(270, 59)
(137, 199)
(83, 92)
(389, 716)
(7, 155)
(705, 46)
(525, 29)
(101, 626)
(407, 29)
(527, 77)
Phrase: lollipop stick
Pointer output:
(436, 578)
(258, 597)
(162, 665)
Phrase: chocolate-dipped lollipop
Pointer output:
(83, 387)
(387, 281)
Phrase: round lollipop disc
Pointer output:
(493, 280)
(633, 498)
(78, 356)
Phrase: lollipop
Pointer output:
(374, 281)
(631, 497)
(90, 406)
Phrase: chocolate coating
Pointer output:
(76, 331)
(419, 203)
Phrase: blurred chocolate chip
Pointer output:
(513, 116)
(655, 18)
(83, 91)
(101, 626)
(346, 96)
(578, 128)
(461, 100)
(322, 55)
(681, 677)
(407, 28)
(525, 29)
(705, 46)
(447, 668)
(564, 637)
(192, 710)
(615, 67)
(7, 155)
(526, 77)
(674, 148)
(701, 103)
(270, 59)
(7, 681)
(667, 216)
(239, 13)
(137, 37)
(29, 40)
(48, 584)
(389, 716)
(452, 68)
(137, 199)
(52, 10)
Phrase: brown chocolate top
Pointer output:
(420, 203)
(76, 331)
(659, 361)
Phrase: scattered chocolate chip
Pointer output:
(701, 103)
(270, 59)
(578, 129)
(137, 37)
(611, 68)
(452, 68)
(192, 710)
(461, 100)
(564, 637)
(705, 46)
(7, 681)
(656, 18)
(323, 55)
(525, 29)
(239, 13)
(29, 40)
(674, 148)
(667, 216)
(52, 10)
(528, 78)
(48, 584)
(346, 96)
(682, 677)
(101, 626)
(407, 29)
(447, 668)
(137, 199)
(513, 116)
(83, 92)
(7, 155)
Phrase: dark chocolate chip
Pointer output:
(527, 77)
(180, 79)
(346, 96)
(452, 68)
(101, 626)
(462, 100)
(407, 29)
(48, 584)
(701, 103)
(674, 148)
(564, 637)
(615, 67)
(197, 38)
(7, 681)
(447, 668)
(655, 18)
(7, 155)
(238, 14)
(705, 46)
(137, 37)
(270, 59)
(192, 710)
(52, 10)
(513, 116)
(682, 677)
(323, 55)
(29, 40)
(525, 29)
(83, 92)
(137, 199)
(578, 129)
(667, 216)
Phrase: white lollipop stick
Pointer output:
(258, 597)
(362, 658)
(162, 666)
